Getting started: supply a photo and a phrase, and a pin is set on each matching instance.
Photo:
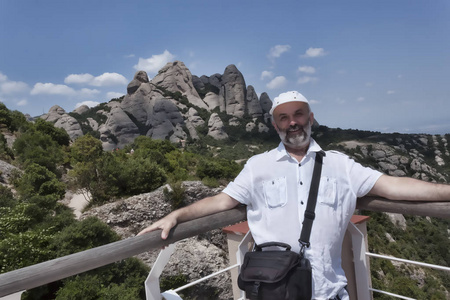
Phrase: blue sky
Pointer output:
(370, 65)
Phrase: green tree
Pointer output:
(5, 116)
(24, 249)
(36, 147)
(86, 234)
(58, 135)
(38, 180)
(86, 156)
(18, 121)
(6, 197)
(86, 149)
(137, 175)
(6, 153)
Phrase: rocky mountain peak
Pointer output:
(61, 119)
(176, 77)
(139, 78)
(168, 106)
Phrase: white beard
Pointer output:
(300, 140)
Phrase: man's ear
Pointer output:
(274, 125)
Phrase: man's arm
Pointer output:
(406, 188)
(201, 208)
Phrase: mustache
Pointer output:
(295, 127)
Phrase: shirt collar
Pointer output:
(313, 148)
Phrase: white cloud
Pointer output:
(112, 95)
(52, 89)
(22, 102)
(278, 50)
(79, 79)
(314, 52)
(277, 82)
(13, 87)
(130, 56)
(88, 92)
(390, 92)
(88, 103)
(8, 87)
(307, 69)
(307, 79)
(106, 79)
(154, 63)
(312, 101)
(369, 84)
(360, 99)
(266, 75)
(3, 77)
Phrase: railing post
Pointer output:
(235, 235)
(152, 289)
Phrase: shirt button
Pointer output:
(301, 182)
(301, 202)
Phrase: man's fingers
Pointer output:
(164, 224)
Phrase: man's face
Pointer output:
(293, 122)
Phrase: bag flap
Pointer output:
(268, 266)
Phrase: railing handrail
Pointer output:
(438, 209)
(59, 268)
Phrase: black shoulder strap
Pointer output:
(312, 199)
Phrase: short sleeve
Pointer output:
(240, 188)
(362, 178)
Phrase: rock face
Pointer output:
(194, 257)
(253, 105)
(5, 171)
(175, 77)
(167, 107)
(216, 127)
(62, 120)
(233, 91)
(402, 157)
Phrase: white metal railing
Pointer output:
(152, 287)
(56, 269)
(409, 261)
(437, 267)
(363, 285)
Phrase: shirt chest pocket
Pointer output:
(327, 191)
(275, 192)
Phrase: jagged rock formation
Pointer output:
(216, 127)
(62, 120)
(167, 107)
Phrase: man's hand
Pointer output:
(201, 208)
(165, 224)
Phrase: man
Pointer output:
(275, 186)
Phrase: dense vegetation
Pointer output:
(35, 226)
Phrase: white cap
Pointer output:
(291, 96)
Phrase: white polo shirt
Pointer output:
(275, 188)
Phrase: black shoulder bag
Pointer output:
(282, 275)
